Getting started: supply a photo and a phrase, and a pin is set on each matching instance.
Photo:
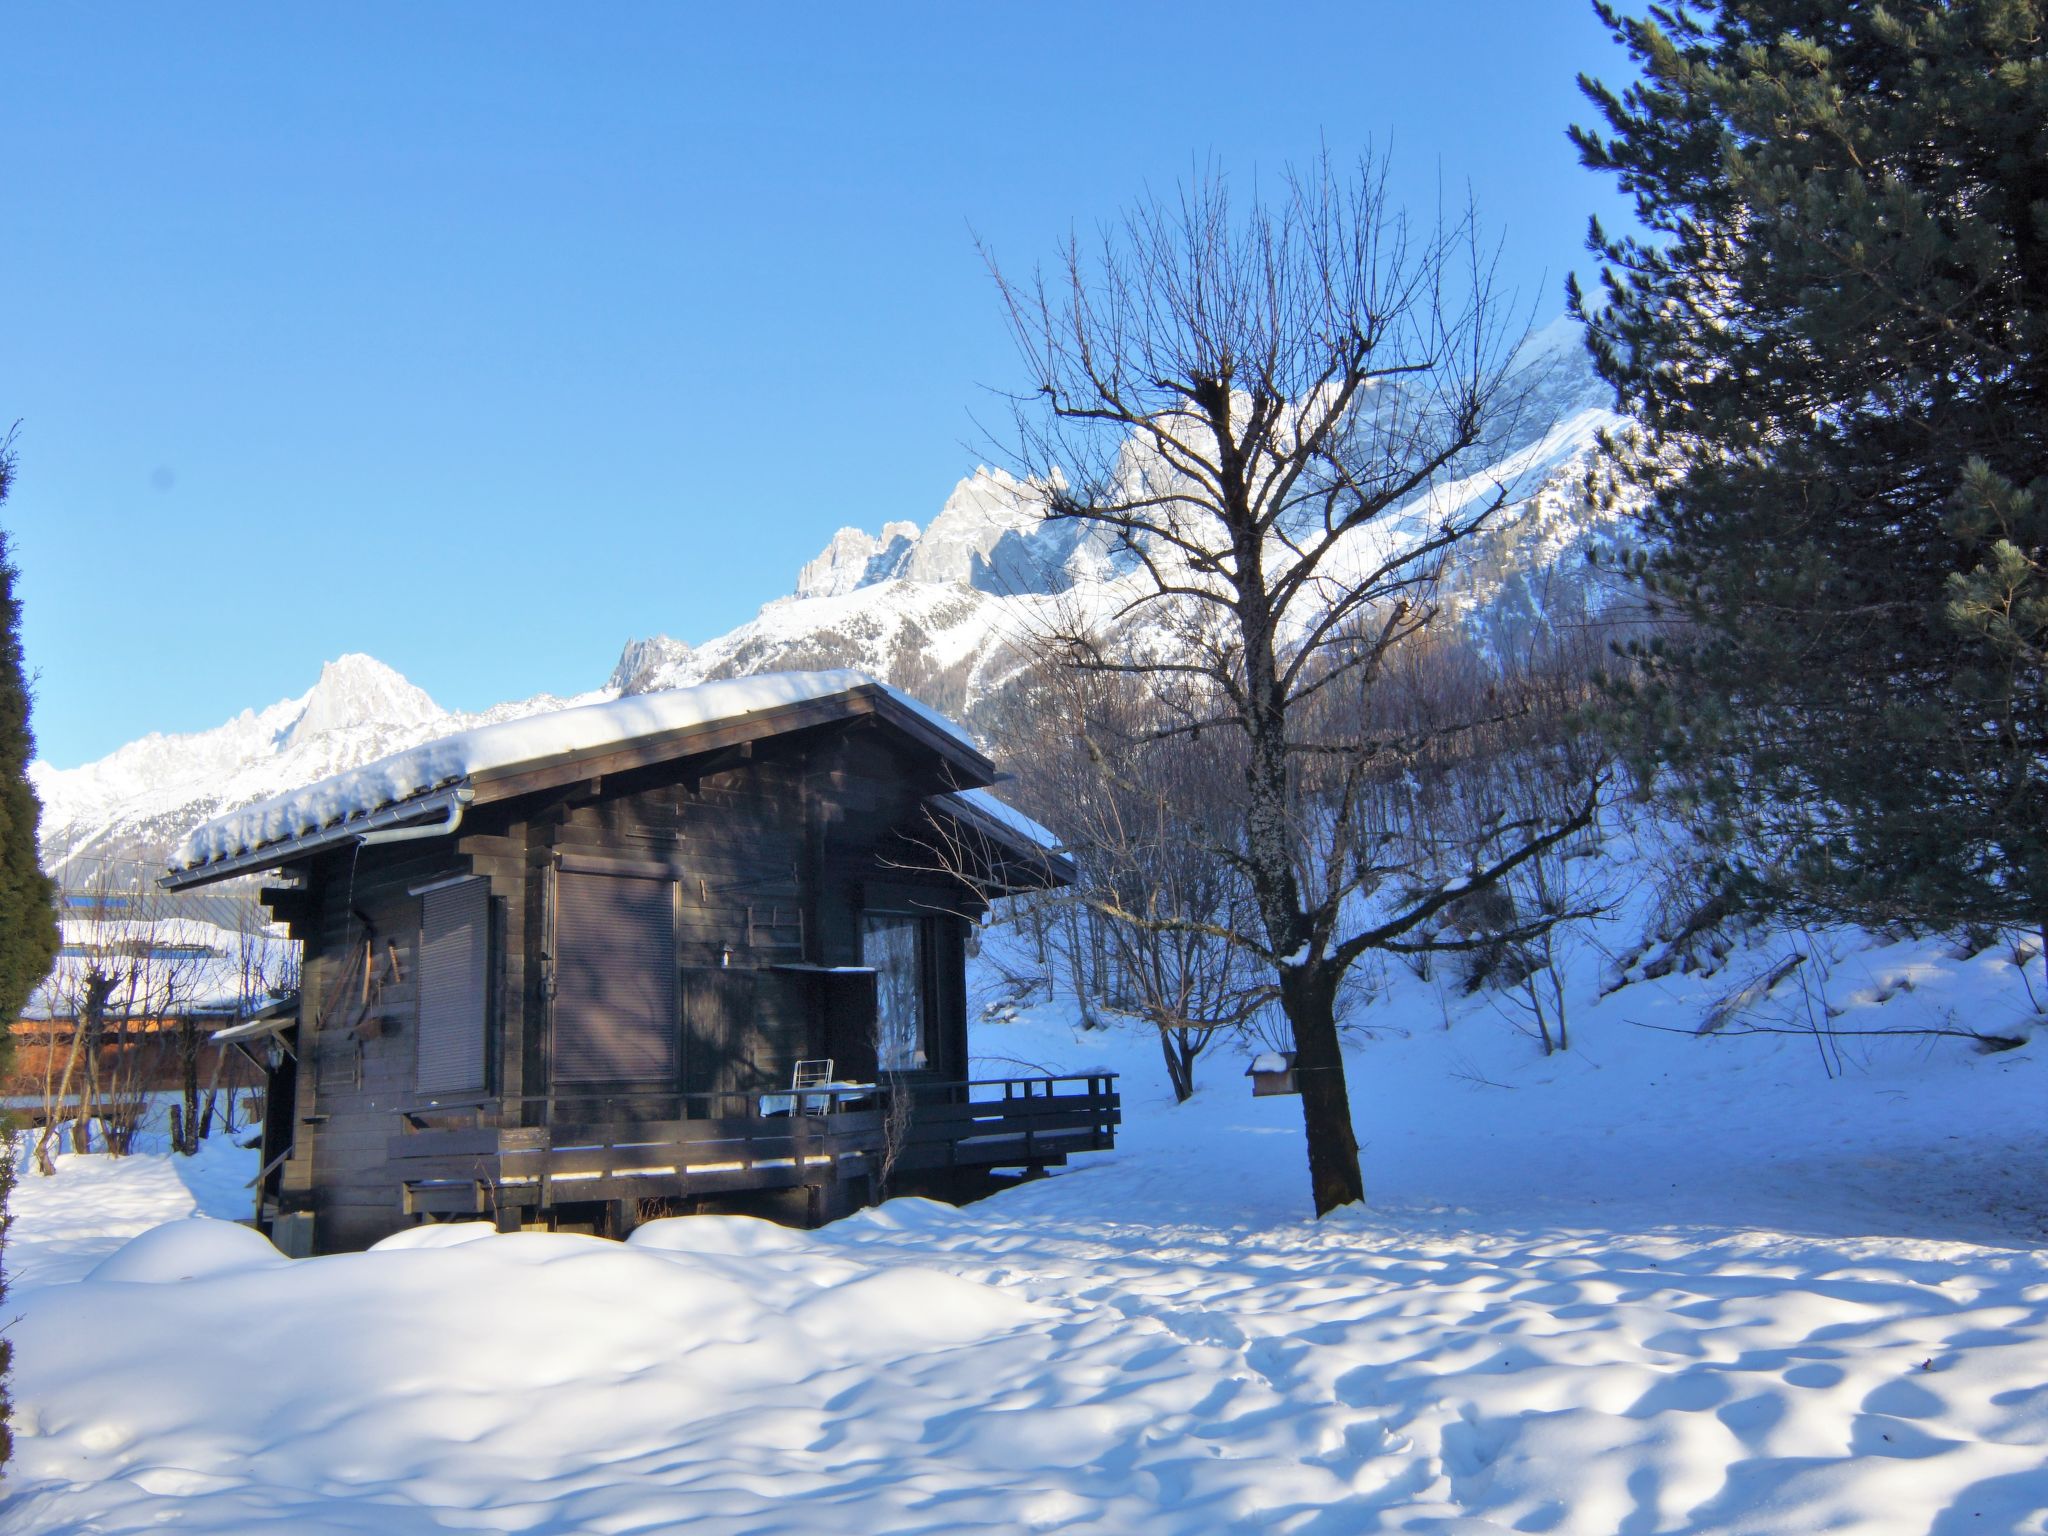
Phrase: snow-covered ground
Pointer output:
(1656, 1284)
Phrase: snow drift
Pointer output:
(1661, 1283)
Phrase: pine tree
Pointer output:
(1831, 337)
(28, 923)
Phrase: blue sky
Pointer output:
(485, 338)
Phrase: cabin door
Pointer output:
(718, 1016)
(744, 1030)
(614, 981)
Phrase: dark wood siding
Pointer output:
(745, 1030)
(785, 1009)
(847, 1000)
(359, 1034)
(718, 1011)
(615, 979)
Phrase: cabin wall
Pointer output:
(863, 796)
(356, 1042)
(499, 850)
(359, 1034)
(777, 855)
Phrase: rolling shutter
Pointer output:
(616, 1019)
(454, 995)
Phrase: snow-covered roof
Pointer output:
(1006, 816)
(1011, 830)
(434, 775)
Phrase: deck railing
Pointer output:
(1009, 1121)
(539, 1151)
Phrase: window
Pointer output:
(454, 987)
(899, 950)
(616, 1014)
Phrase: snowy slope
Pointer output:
(1660, 1284)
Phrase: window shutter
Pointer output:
(454, 995)
(616, 1019)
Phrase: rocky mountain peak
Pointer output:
(856, 559)
(643, 662)
(990, 535)
(357, 690)
(985, 537)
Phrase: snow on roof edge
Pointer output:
(1007, 815)
(448, 760)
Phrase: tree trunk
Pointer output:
(1180, 1063)
(1308, 996)
(206, 1107)
(187, 1139)
(92, 1027)
(88, 1095)
(1536, 1007)
(53, 1104)
(1077, 964)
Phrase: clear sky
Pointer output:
(483, 338)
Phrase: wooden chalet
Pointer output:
(693, 950)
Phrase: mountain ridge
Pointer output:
(945, 611)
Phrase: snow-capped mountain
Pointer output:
(141, 797)
(988, 536)
(948, 611)
(945, 611)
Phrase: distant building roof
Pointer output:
(161, 968)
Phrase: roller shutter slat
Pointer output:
(615, 979)
(454, 929)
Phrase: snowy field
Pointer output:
(1657, 1284)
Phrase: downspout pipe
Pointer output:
(450, 821)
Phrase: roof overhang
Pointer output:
(1015, 861)
(437, 804)
(965, 766)
(271, 1019)
(254, 1029)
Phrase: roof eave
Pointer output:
(1048, 866)
(433, 802)
(968, 767)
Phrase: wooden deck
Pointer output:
(527, 1154)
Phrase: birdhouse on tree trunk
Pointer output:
(1272, 1072)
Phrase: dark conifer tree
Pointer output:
(28, 921)
(1832, 338)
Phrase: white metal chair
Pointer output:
(811, 1074)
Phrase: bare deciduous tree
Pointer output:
(127, 984)
(1270, 415)
(1138, 809)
